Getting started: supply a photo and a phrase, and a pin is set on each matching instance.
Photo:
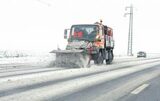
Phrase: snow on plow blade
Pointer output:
(71, 58)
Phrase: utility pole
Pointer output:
(130, 32)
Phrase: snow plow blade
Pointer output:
(71, 58)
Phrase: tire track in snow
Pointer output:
(71, 86)
(34, 73)
(133, 59)
(21, 69)
(21, 89)
(30, 72)
(92, 92)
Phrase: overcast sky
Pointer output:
(38, 25)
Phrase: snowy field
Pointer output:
(42, 60)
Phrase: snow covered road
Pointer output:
(97, 83)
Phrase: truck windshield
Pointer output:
(84, 32)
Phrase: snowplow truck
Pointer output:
(86, 42)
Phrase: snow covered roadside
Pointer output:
(66, 87)
(70, 71)
(41, 60)
(46, 59)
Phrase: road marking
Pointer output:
(139, 89)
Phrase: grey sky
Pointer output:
(38, 25)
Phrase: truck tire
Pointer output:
(99, 58)
(110, 57)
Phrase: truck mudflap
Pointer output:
(71, 58)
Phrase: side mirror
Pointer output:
(65, 34)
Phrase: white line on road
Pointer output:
(139, 89)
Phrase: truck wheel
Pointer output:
(110, 57)
(99, 58)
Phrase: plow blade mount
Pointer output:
(71, 58)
